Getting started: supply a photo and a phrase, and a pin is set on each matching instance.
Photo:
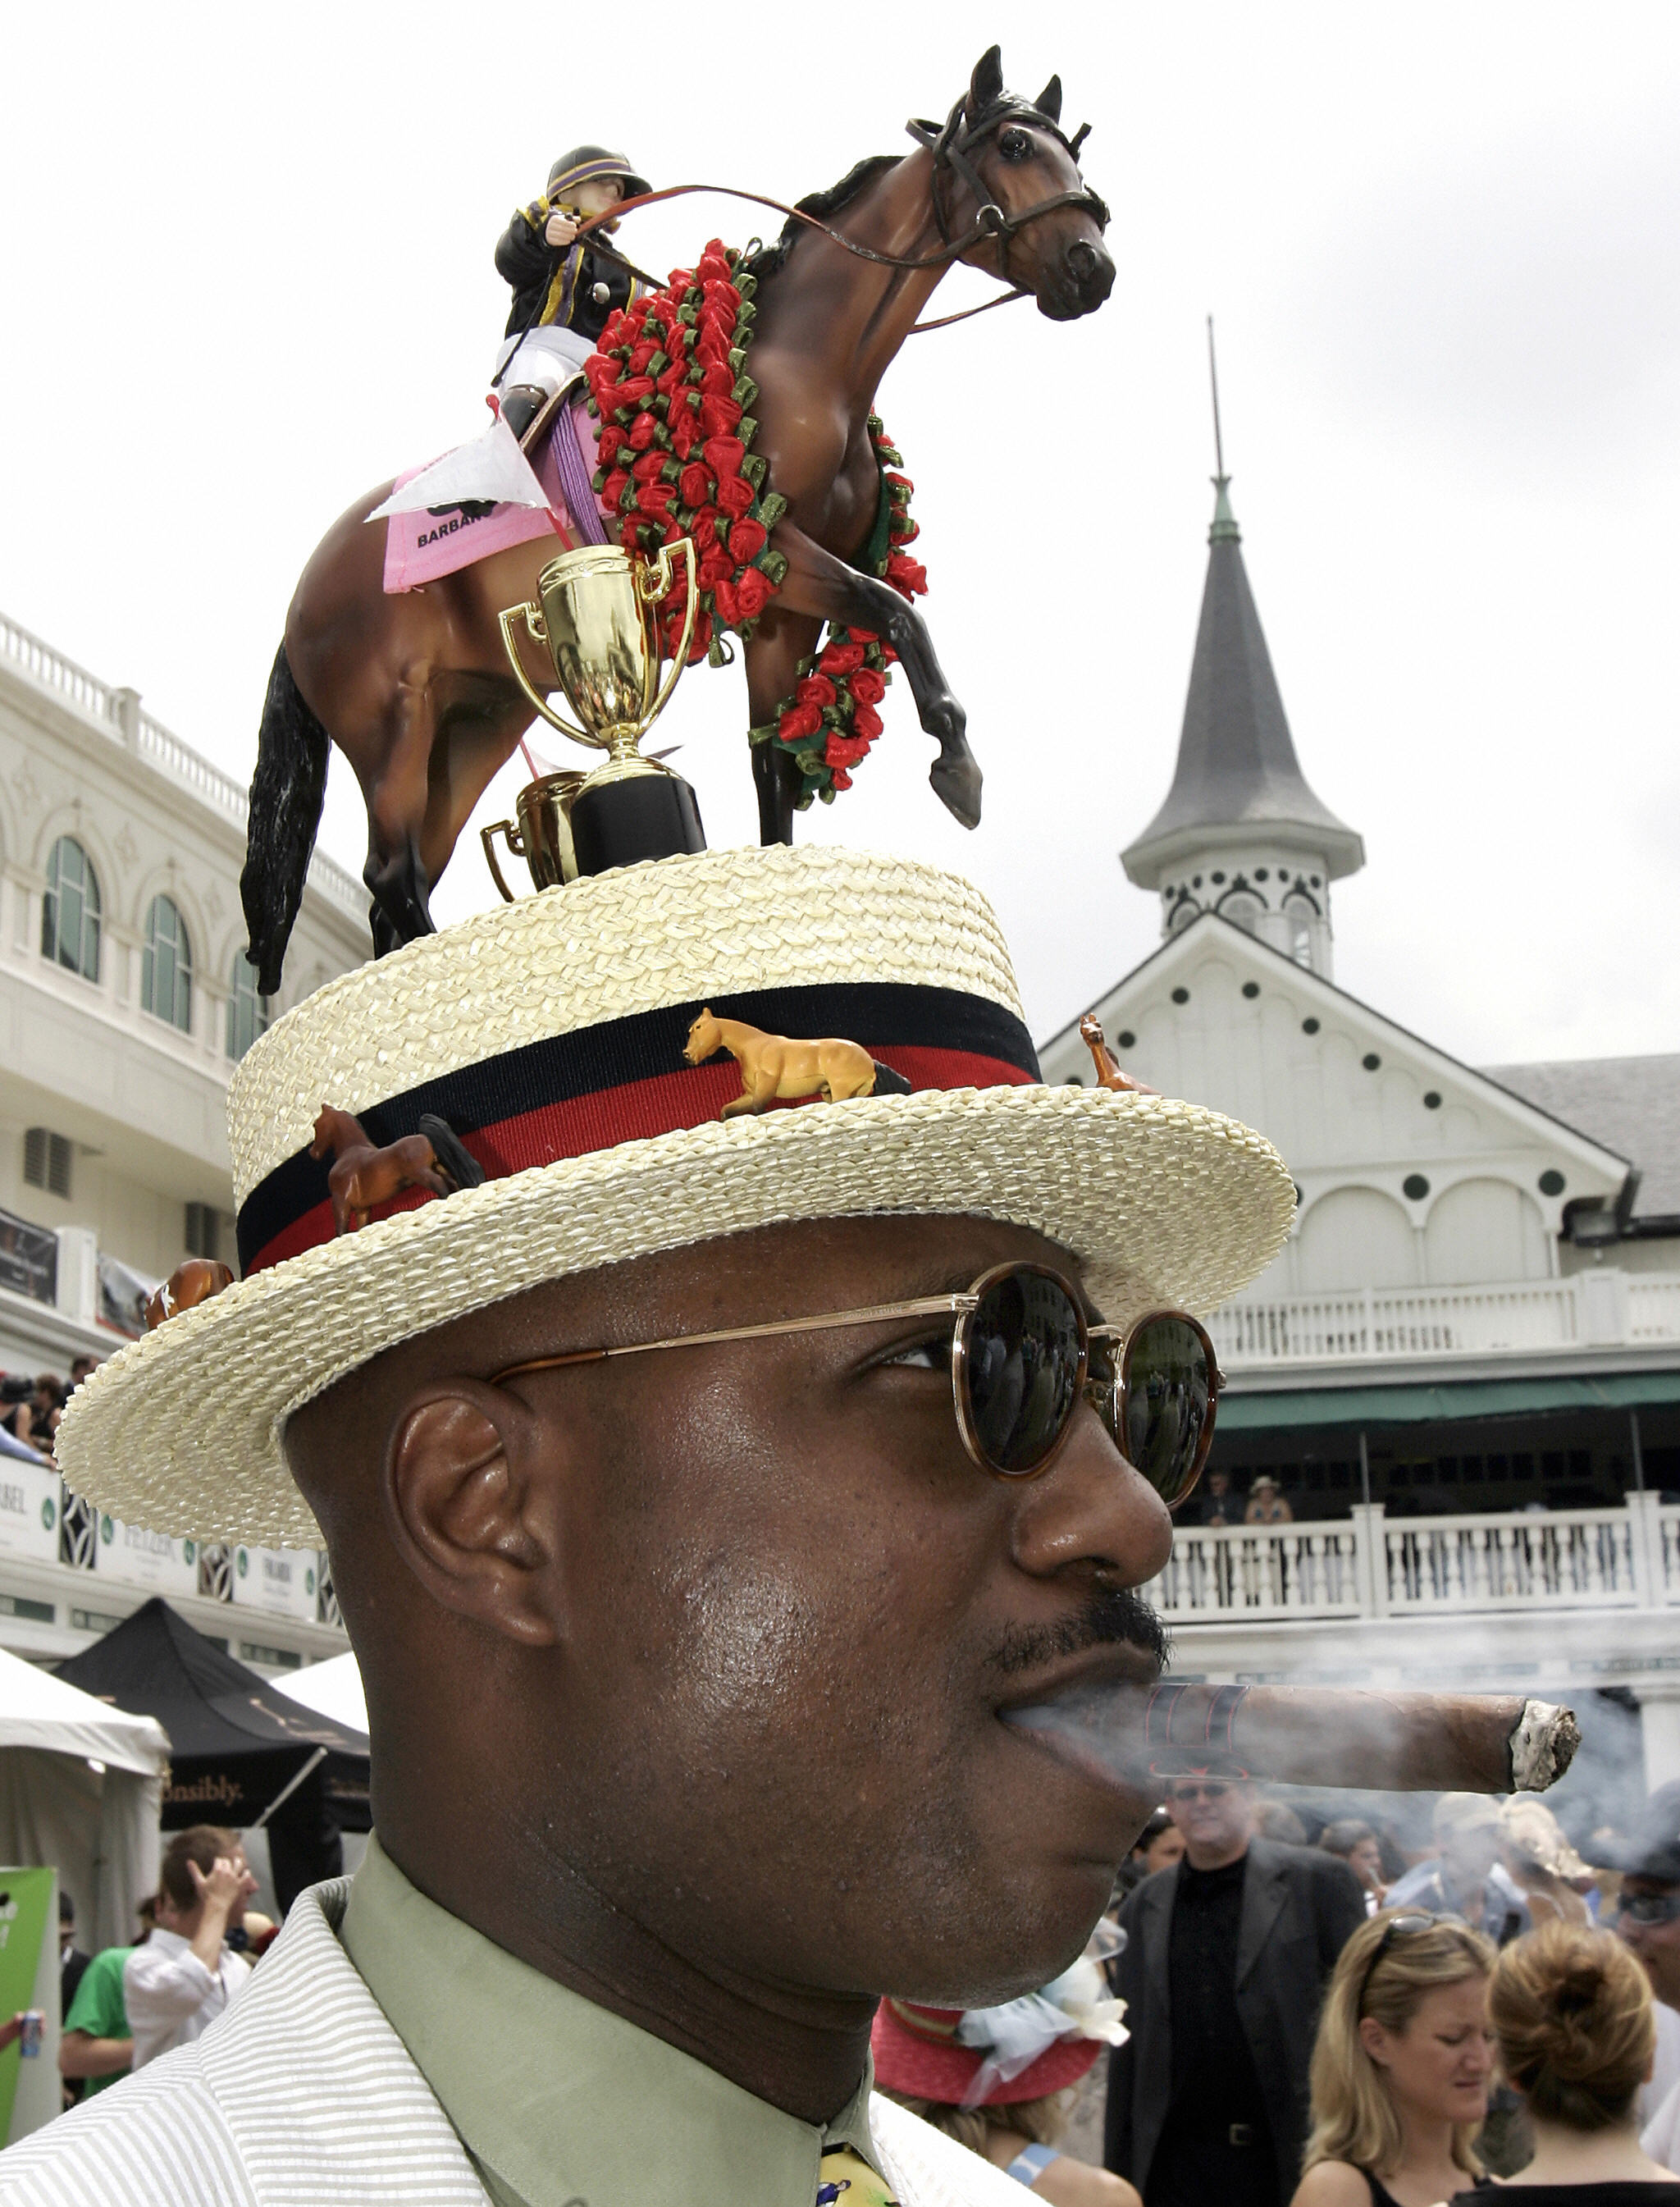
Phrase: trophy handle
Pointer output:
(655, 582)
(488, 837)
(534, 629)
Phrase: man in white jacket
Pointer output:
(704, 1497)
(185, 1975)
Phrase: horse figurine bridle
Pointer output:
(951, 147)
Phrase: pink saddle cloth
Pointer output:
(422, 547)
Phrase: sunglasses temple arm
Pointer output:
(923, 1307)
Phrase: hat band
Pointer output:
(625, 1081)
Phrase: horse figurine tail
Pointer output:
(287, 793)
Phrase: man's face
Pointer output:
(1365, 1859)
(1219, 1483)
(1656, 1943)
(788, 1610)
(1216, 1815)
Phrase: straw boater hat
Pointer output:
(549, 1035)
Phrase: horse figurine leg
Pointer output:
(397, 800)
(820, 584)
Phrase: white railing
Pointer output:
(1603, 1308)
(1654, 1305)
(1370, 1565)
(120, 709)
(1568, 1558)
(1257, 1571)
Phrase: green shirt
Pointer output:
(98, 2007)
(560, 2102)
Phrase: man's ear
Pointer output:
(468, 1515)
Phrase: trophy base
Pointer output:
(646, 816)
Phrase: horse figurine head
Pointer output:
(1010, 155)
(1110, 1074)
(705, 1038)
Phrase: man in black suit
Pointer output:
(1226, 1960)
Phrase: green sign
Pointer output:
(28, 1901)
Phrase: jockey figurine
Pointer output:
(563, 293)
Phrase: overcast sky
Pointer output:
(246, 273)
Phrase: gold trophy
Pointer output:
(596, 619)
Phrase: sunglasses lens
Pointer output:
(1168, 1402)
(1023, 1369)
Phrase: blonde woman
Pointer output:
(1401, 2065)
(1571, 2012)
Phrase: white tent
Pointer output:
(81, 1792)
(332, 1689)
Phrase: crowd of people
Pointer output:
(1287, 2025)
(30, 1408)
(194, 1946)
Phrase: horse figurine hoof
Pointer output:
(777, 1070)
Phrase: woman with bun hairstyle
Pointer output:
(1401, 2066)
(1571, 2012)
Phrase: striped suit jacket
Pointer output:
(303, 2096)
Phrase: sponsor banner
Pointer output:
(28, 1510)
(28, 1258)
(134, 1557)
(284, 1582)
(30, 2093)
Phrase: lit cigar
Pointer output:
(1315, 1736)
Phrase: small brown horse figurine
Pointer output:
(363, 1176)
(192, 1282)
(774, 1070)
(1109, 1073)
(414, 688)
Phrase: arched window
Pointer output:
(1242, 911)
(166, 966)
(247, 1012)
(70, 910)
(1300, 912)
(1183, 914)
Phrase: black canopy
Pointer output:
(237, 1743)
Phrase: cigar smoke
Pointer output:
(1312, 1735)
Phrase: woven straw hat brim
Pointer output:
(1164, 1203)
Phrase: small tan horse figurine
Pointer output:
(1109, 1073)
(363, 1175)
(774, 1070)
(191, 1283)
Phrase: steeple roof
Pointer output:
(1237, 769)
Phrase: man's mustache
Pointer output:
(1113, 1616)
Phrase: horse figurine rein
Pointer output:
(950, 147)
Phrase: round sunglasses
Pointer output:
(1023, 1357)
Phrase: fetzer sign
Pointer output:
(282, 1580)
(140, 1558)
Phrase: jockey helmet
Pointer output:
(584, 162)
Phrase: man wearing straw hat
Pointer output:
(703, 1495)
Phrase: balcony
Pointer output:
(1604, 1309)
(1369, 1567)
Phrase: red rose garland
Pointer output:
(830, 720)
(668, 382)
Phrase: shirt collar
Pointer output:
(557, 2099)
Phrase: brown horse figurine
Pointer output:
(414, 687)
(1109, 1073)
(363, 1175)
(193, 1282)
(776, 1070)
